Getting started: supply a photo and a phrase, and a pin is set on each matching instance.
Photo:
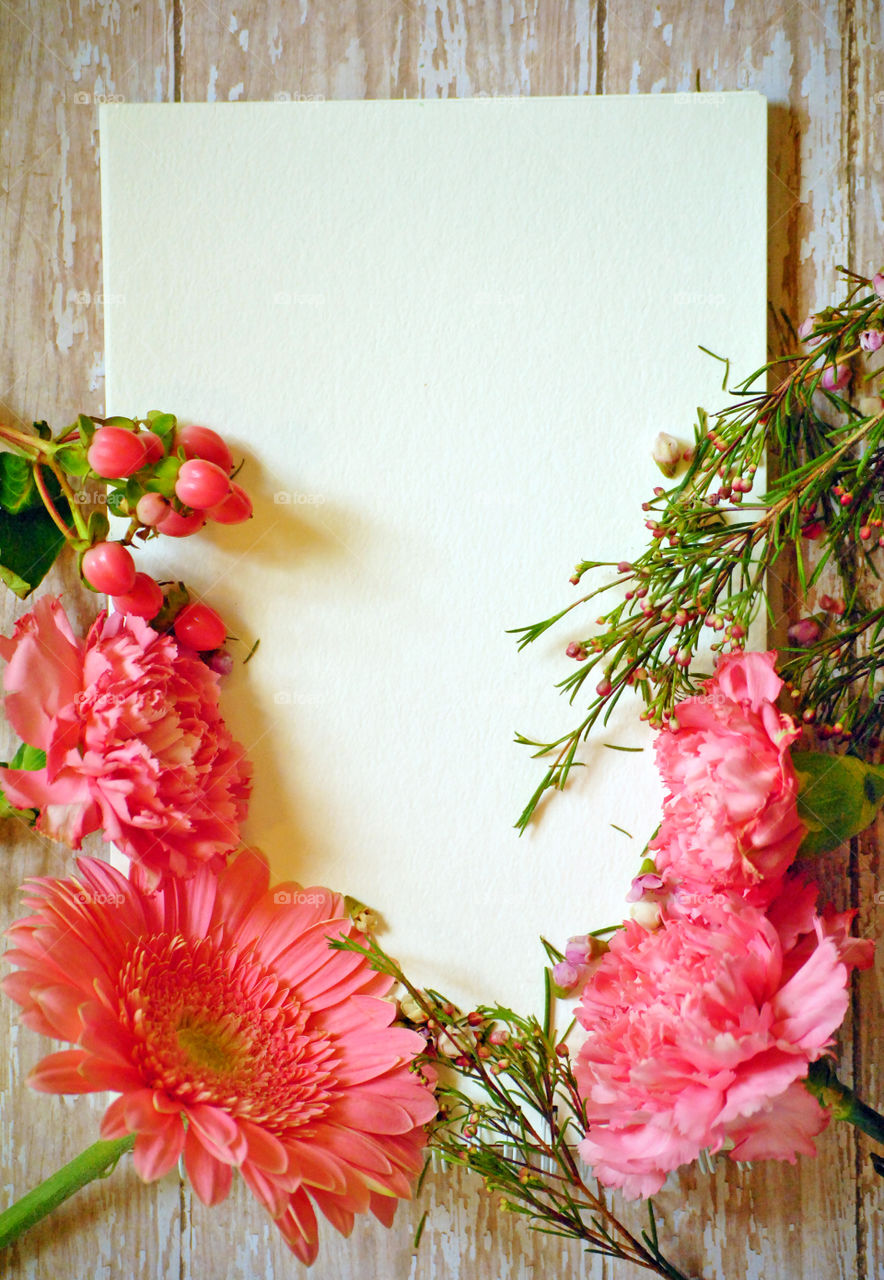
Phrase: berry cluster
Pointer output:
(165, 478)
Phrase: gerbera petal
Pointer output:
(61, 1073)
(156, 1153)
(211, 1178)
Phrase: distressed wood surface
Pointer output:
(821, 67)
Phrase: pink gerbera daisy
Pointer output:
(232, 1032)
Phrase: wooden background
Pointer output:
(821, 67)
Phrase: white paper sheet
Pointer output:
(443, 335)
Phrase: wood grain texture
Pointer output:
(820, 65)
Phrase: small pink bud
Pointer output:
(805, 631)
(878, 284)
(871, 340)
(624, 567)
(499, 1035)
(221, 662)
(604, 687)
(805, 329)
(667, 454)
(836, 377)
(565, 975)
(576, 651)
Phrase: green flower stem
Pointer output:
(68, 494)
(97, 1161)
(50, 506)
(843, 1102)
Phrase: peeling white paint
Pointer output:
(444, 39)
(667, 34)
(211, 93)
(244, 39)
(236, 92)
(584, 38)
(634, 78)
(274, 45)
(232, 26)
(351, 74)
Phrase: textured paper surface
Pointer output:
(443, 336)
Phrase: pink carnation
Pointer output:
(730, 820)
(701, 1032)
(134, 741)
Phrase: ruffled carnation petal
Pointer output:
(135, 742)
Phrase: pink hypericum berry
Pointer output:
(175, 525)
(203, 442)
(153, 446)
(151, 509)
(115, 453)
(144, 599)
(109, 567)
(235, 508)
(201, 484)
(200, 627)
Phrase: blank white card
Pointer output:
(443, 336)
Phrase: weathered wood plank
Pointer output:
(776, 1222)
(54, 65)
(865, 198)
(772, 1220)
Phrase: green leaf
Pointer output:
(838, 798)
(29, 546)
(99, 527)
(8, 810)
(43, 430)
(28, 757)
(127, 423)
(86, 428)
(115, 498)
(17, 488)
(164, 476)
(162, 424)
(73, 461)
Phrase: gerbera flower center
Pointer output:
(212, 1025)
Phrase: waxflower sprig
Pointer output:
(519, 1134)
(710, 551)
